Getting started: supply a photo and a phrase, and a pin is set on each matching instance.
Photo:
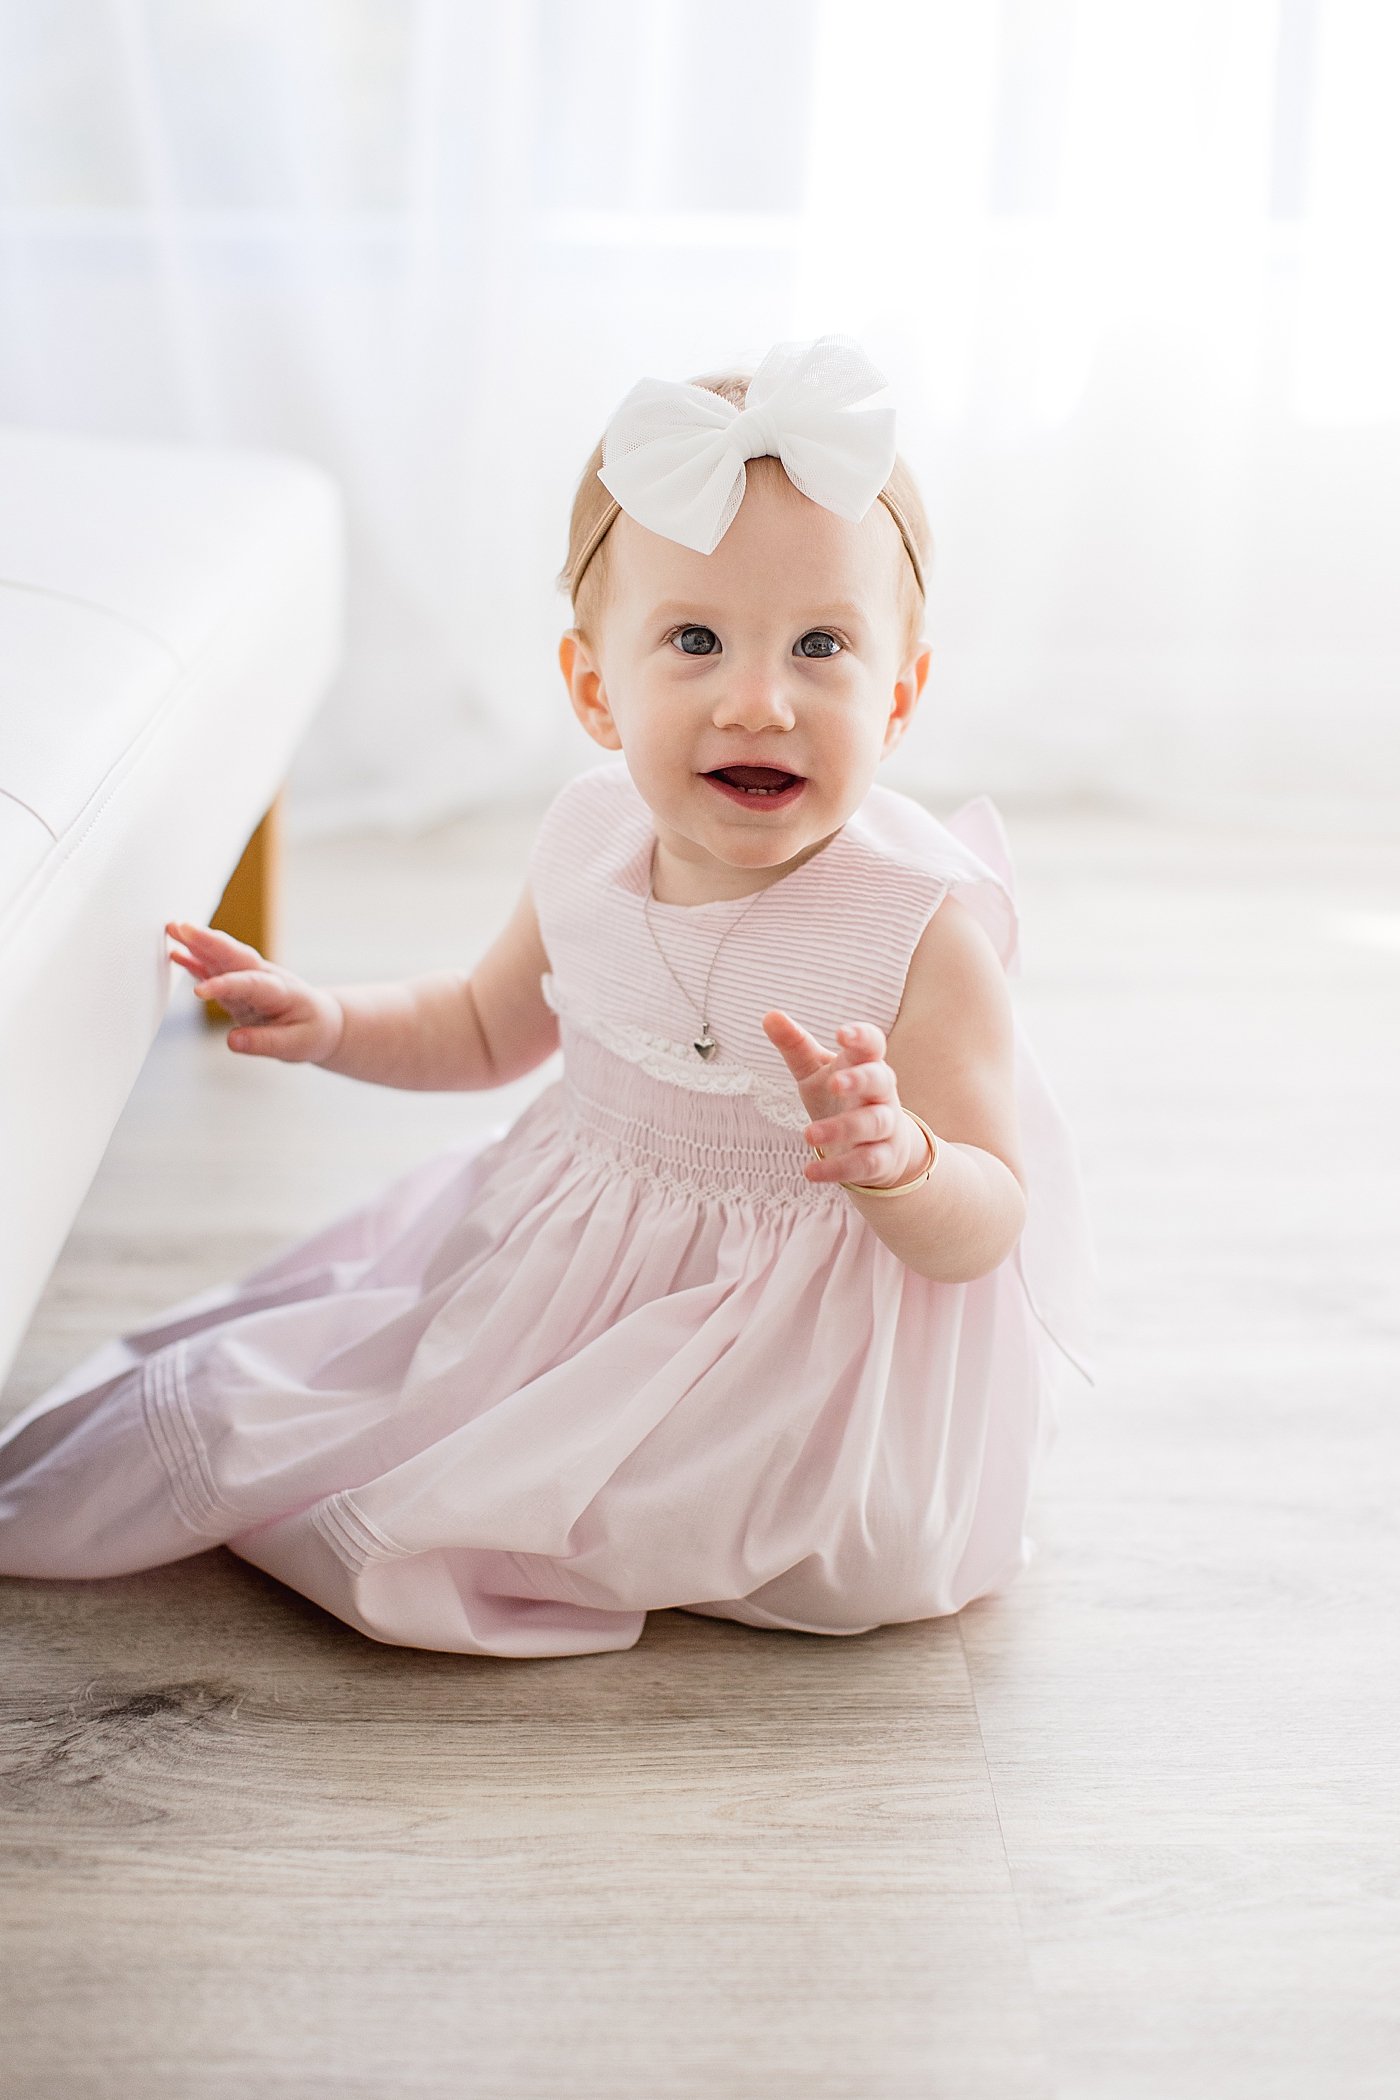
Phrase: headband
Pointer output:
(674, 453)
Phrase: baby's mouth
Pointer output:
(758, 781)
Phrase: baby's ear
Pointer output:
(586, 690)
(575, 660)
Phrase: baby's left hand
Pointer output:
(862, 1126)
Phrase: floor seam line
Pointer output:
(1052, 2086)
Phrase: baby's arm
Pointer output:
(434, 1033)
(419, 1032)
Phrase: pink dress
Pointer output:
(618, 1354)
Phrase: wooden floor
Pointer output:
(1128, 1829)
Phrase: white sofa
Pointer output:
(170, 619)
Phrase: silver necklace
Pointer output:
(707, 1046)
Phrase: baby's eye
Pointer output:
(683, 635)
(819, 634)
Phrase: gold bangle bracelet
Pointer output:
(866, 1188)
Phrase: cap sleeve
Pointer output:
(986, 884)
(1056, 1256)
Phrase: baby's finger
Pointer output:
(863, 1148)
(256, 988)
(255, 1041)
(861, 1041)
(220, 950)
(292, 1041)
(872, 1081)
(804, 1055)
(856, 1126)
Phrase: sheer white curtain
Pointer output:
(1129, 265)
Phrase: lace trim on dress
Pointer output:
(776, 1100)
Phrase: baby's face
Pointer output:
(783, 648)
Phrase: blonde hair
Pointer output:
(585, 572)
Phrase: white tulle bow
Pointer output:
(673, 454)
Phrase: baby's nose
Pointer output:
(754, 696)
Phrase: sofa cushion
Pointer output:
(122, 565)
(170, 618)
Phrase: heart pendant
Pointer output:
(706, 1048)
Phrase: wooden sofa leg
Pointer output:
(250, 908)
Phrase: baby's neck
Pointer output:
(680, 885)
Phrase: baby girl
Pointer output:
(758, 1309)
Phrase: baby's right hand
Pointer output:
(285, 1018)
